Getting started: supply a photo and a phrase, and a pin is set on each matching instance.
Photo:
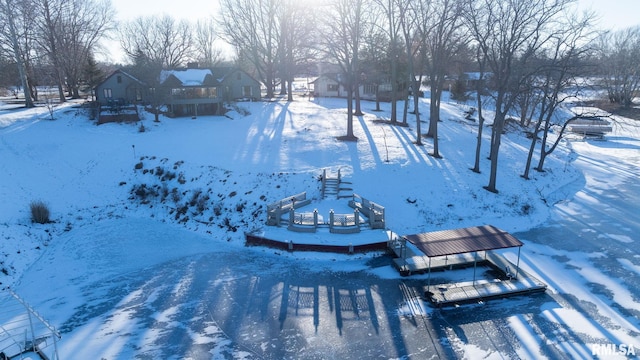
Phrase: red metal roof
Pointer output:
(466, 240)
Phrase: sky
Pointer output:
(613, 14)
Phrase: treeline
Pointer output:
(51, 42)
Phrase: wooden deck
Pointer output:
(514, 281)
(461, 293)
(455, 294)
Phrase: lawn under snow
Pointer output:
(125, 200)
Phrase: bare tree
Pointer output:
(480, 89)
(410, 19)
(297, 44)
(83, 24)
(341, 40)
(506, 32)
(393, 10)
(50, 26)
(619, 64)
(560, 79)
(68, 31)
(251, 26)
(9, 15)
(443, 36)
(205, 37)
(161, 39)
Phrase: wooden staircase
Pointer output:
(332, 186)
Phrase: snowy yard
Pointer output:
(145, 256)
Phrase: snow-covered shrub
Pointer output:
(39, 212)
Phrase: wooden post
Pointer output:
(278, 212)
(324, 181)
(356, 215)
(315, 217)
(331, 220)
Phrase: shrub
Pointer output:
(39, 212)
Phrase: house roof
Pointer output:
(465, 240)
(188, 77)
(121, 72)
(332, 76)
(221, 73)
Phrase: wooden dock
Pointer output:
(512, 284)
(514, 281)
(456, 294)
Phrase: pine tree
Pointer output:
(93, 74)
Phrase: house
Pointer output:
(184, 92)
(120, 88)
(330, 85)
(237, 85)
(191, 92)
(117, 97)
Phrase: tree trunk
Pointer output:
(416, 109)
(405, 110)
(28, 101)
(496, 135)
(358, 110)
(476, 167)
(532, 147)
(394, 89)
(290, 90)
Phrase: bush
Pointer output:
(39, 212)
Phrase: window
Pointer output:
(107, 93)
(119, 79)
(332, 87)
(247, 91)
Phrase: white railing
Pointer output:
(23, 330)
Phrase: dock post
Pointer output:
(429, 276)
(518, 263)
(475, 262)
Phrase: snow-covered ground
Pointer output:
(145, 256)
